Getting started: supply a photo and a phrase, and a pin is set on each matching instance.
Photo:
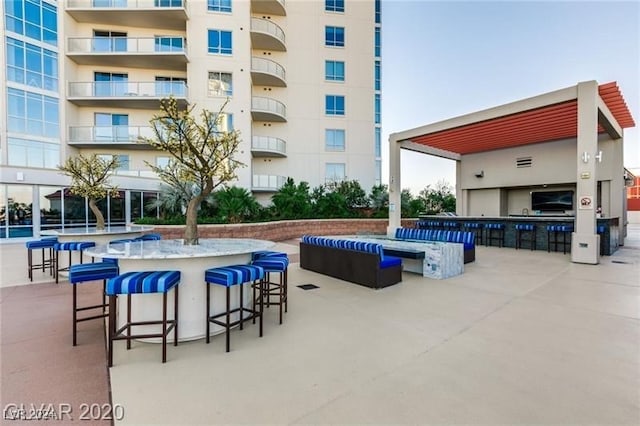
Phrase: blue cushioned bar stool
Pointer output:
(229, 276)
(525, 232)
(85, 272)
(476, 228)
(147, 282)
(69, 247)
(47, 260)
(555, 231)
(433, 224)
(495, 232)
(274, 263)
(600, 230)
(451, 225)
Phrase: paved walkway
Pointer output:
(520, 337)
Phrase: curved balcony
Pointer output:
(267, 183)
(267, 35)
(165, 14)
(267, 146)
(265, 72)
(169, 53)
(109, 136)
(267, 109)
(126, 94)
(268, 7)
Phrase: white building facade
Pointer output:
(301, 78)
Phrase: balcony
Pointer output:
(267, 183)
(267, 146)
(167, 53)
(109, 136)
(266, 109)
(164, 14)
(268, 7)
(267, 35)
(265, 72)
(126, 94)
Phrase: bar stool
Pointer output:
(495, 232)
(600, 230)
(433, 224)
(47, 262)
(555, 230)
(476, 228)
(451, 225)
(80, 273)
(277, 263)
(146, 282)
(69, 247)
(229, 276)
(525, 230)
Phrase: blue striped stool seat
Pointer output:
(267, 253)
(143, 282)
(525, 226)
(147, 282)
(149, 237)
(560, 228)
(473, 225)
(600, 229)
(229, 276)
(70, 247)
(46, 262)
(233, 275)
(84, 272)
(451, 224)
(494, 225)
(272, 264)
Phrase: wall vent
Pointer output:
(523, 162)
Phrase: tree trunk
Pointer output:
(191, 228)
(96, 211)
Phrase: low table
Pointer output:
(432, 259)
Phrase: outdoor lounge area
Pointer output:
(521, 337)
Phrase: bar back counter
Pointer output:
(608, 228)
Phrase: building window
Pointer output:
(378, 75)
(378, 12)
(378, 172)
(112, 127)
(111, 84)
(109, 41)
(334, 172)
(32, 113)
(378, 142)
(378, 44)
(223, 122)
(30, 153)
(166, 86)
(169, 44)
(123, 160)
(334, 105)
(220, 42)
(334, 139)
(219, 5)
(220, 84)
(33, 18)
(334, 70)
(334, 5)
(162, 162)
(31, 65)
(334, 36)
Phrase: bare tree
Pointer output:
(202, 155)
(90, 178)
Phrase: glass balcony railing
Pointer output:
(124, 89)
(126, 45)
(268, 182)
(108, 134)
(266, 34)
(267, 109)
(266, 72)
(268, 144)
(125, 4)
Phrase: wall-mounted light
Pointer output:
(480, 174)
(598, 156)
(585, 157)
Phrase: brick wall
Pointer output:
(286, 229)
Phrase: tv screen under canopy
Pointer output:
(552, 200)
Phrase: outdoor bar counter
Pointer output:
(191, 261)
(609, 238)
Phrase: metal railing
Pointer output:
(125, 4)
(268, 143)
(268, 182)
(118, 89)
(267, 66)
(268, 105)
(127, 45)
(109, 134)
(268, 27)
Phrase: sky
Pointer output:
(443, 59)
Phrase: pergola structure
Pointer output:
(580, 112)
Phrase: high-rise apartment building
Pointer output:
(302, 81)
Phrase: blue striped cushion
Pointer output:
(92, 271)
(74, 245)
(272, 264)
(149, 237)
(494, 226)
(35, 244)
(233, 275)
(600, 229)
(143, 282)
(560, 228)
(267, 253)
(525, 226)
(473, 225)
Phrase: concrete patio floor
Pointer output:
(520, 337)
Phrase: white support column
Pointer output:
(585, 243)
(395, 211)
